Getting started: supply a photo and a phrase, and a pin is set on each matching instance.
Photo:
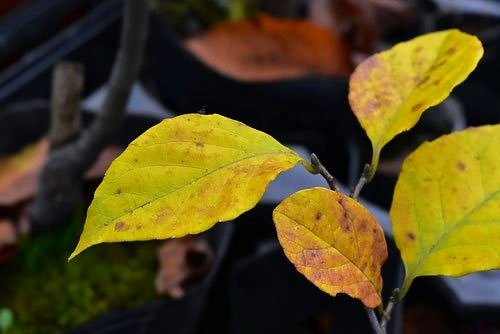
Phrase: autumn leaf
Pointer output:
(266, 48)
(389, 91)
(181, 177)
(355, 21)
(19, 172)
(446, 207)
(182, 263)
(334, 242)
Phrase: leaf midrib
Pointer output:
(290, 153)
(329, 245)
(443, 236)
(390, 122)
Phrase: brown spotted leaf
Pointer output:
(181, 177)
(389, 91)
(334, 242)
(446, 207)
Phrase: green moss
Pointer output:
(191, 16)
(46, 294)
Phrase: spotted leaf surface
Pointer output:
(446, 207)
(389, 91)
(181, 177)
(334, 242)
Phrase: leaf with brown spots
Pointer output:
(334, 242)
(446, 207)
(389, 91)
(181, 177)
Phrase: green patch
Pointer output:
(46, 294)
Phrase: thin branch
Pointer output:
(124, 73)
(374, 321)
(363, 180)
(318, 166)
(386, 316)
(60, 184)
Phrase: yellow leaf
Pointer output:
(334, 242)
(181, 177)
(446, 207)
(389, 91)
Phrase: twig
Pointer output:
(59, 190)
(386, 316)
(318, 166)
(67, 85)
(374, 321)
(324, 172)
(124, 73)
(363, 180)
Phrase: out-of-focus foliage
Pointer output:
(190, 16)
(46, 295)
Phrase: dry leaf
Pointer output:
(353, 20)
(8, 235)
(361, 23)
(182, 262)
(19, 172)
(103, 162)
(266, 48)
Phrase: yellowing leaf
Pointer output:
(389, 91)
(334, 242)
(446, 207)
(181, 177)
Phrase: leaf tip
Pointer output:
(77, 251)
(72, 256)
(82, 245)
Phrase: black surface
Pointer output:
(92, 41)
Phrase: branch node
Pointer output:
(386, 316)
(319, 168)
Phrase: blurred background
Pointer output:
(281, 66)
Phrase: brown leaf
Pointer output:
(182, 262)
(8, 235)
(266, 48)
(19, 172)
(99, 167)
(360, 23)
(353, 20)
